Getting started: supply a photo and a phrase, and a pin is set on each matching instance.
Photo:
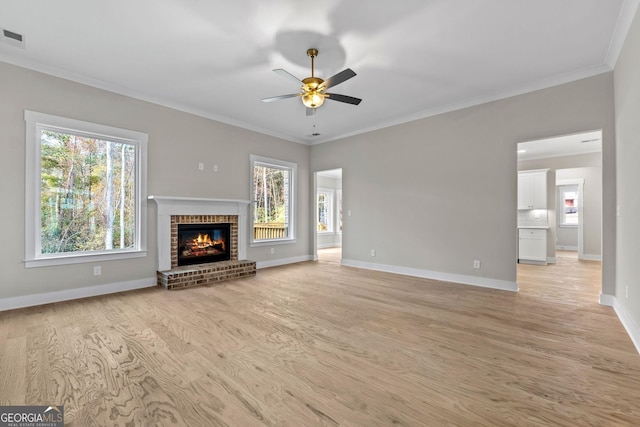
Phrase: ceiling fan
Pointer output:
(314, 88)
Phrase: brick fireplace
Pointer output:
(173, 211)
(177, 220)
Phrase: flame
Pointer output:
(203, 238)
(204, 241)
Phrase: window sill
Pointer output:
(271, 242)
(568, 226)
(85, 258)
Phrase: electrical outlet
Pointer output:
(476, 263)
(97, 270)
(201, 166)
(373, 252)
(215, 168)
(273, 251)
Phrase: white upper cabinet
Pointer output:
(532, 189)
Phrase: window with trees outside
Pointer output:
(85, 190)
(273, 207)
(325, 211)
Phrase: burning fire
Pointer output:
(203, 245)
(202, 241)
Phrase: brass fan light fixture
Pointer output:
(313, 88)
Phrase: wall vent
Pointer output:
(12, 38)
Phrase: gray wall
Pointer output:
(437, 193)
(177, 142)
(589, 168)
(627, 107)
(432, 194)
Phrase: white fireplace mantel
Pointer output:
(168, 206)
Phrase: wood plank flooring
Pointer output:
(319, 344)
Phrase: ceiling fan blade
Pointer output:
(276, 98)
(336, 79)
(311, 111)
(343, 98)
(287, 75)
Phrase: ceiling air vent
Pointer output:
(12, 38)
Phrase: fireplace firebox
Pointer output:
(203, 243)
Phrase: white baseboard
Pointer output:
(551, 260)
(566, 248)
(484, 282)
(606, 299)
(627, 321)
(283, 261)
(591, 257)
(71, 294)
(531, 262)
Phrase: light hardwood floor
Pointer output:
(317, 343)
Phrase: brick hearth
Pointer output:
(203, 274)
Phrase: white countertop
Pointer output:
(544, 227)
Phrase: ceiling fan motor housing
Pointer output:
(312, 97)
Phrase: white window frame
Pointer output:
(293, 170)
(35, 123)
(331, 211)
(338, 211)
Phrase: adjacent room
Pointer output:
(341, 213)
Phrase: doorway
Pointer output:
(574, 194)
(328, 215)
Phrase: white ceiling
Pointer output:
(413, 58)
(564, 145)
(332, 173)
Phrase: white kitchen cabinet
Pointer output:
(532, 189)
(532, 244)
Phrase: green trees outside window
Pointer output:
(87, 197)
(272, 192)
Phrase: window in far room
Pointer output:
(325, 211)
(570, 204)
(339, 209)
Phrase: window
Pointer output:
(273, 208)
(325, 211)
(569, 202)
(85, 188)
(339, 202)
